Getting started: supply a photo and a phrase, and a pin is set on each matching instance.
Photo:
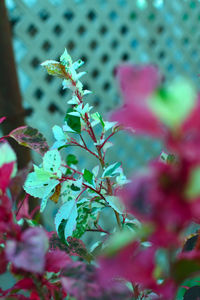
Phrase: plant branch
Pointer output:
(99, 230)
(83, 147)
(81, 193)
(22, 202)
(89, 187)
(109, 186)
(83, 141)
(106, 140)
(72, 169)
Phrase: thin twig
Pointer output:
(99, 230)
(22, 202)
(82, 139)
(96, 191)
(72, 169)
(81, 193)
(83, 147)
(106, 140)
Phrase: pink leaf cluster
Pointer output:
(158, 196)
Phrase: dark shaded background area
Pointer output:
(10, 97)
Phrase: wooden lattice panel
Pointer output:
(104, 33)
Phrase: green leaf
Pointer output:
(95, 171)
(77, 64)
(111, 170)
(189, 283)
(71, 160)
(120, 239)
(58, 133)
(115, 203)
(168, 158)
(65, 58)
(193, 187)
(88, 176)
(52, 161)
(75, 188)
(43, 203)
(98, 118)
(61, 230)
(42, 174)
(31, 138)
(32, 223)
(173, 104)
(82, 221)
(162, 263)
(39, 188)
(73, 122)
(7, 156)
(109, 125)
(68, 212)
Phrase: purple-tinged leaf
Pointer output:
(78, 248)
(74, 247)
(56, 260)
(28, 253)
(31, 138)
(80, 281)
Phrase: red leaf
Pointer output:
(5, 174)
(56, 260)
(137, 83)
(24, 284)
(3, 262)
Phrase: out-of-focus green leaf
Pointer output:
(174, 103)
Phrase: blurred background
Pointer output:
(103, 33)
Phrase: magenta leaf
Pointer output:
(31, 138)
(80, 281)
(29, 253)
(56, 260)
(2, 119)
(24, 284)
(5, 174)
(137, 84)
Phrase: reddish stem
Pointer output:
(100, 147)
(83, 141)
(3, 137)
(99, 230)
(65, 178)
(72, 169)
(34, 211)
(81, 193)
(83, 147)
(89, 187)
(22, 202)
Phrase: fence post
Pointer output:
(10, 97)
